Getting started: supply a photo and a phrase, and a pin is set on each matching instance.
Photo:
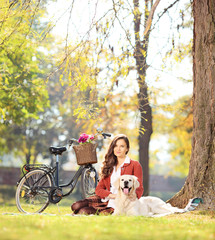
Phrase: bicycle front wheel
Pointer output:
(32, 192)
(88, 182)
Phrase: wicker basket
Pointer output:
(85, 153)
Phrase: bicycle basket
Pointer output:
(85, 153)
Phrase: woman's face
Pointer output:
(120, 148)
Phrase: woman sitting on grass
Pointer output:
(116, 163)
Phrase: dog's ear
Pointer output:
(117, 183)
(135, 182)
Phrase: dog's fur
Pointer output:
(127, 203)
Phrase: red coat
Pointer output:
(132, 168)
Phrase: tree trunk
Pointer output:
(145, 128)
(145, 132)
(201, 178)
(28, 158)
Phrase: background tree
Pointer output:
(22, 89)
(172, 118)
(56, 124)
(201, 177)
(174, 123)
(140, 54)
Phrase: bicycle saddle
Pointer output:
(57, 150)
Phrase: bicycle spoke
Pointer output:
(88, 182)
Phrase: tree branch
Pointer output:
(67, 33)
(126, 33)
(149, 21)
(166, 9)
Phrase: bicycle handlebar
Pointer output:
(70, 142)
(99, 132)
(106, 135)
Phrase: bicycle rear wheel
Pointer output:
(88, 182)
(32, 192)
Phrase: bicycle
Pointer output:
(40, 186)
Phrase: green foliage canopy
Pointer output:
(22, 87)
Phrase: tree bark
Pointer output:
(201, 178)
(140, 55)
(145, 131)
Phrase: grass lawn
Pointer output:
(14, 225)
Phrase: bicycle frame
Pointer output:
(74, 179)
(55, 179)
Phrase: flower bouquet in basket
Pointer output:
(86, 150)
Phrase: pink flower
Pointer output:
(85, 138)
(91, 137)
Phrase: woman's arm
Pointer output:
(101, 189)
(138, 172)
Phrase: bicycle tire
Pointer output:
(88, 182)
(29, 199)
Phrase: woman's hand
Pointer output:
(112, 196)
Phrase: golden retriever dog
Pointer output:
(127, 203)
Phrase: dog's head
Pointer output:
(127, 184)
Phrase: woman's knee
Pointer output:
(87, 210)
(79, 204)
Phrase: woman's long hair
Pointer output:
(110, 159)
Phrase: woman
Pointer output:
(116, 163)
